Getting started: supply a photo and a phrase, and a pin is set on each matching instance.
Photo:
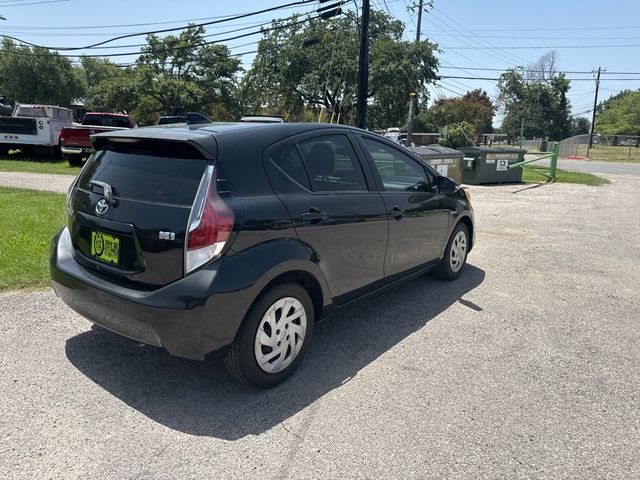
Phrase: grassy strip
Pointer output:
(29, 219)
(535, 174)
(608, 153)
(10, 164)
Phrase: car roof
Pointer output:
(204, 133)
(108, 113)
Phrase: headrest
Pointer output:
(321, 160)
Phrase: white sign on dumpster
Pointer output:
(502, 165)
(443, 169)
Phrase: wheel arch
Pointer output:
(468, 222)
(305, 279)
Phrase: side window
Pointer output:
(332, 164)
(399, 172)
(288, 160)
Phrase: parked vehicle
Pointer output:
(75, 142)
(170, 119)
(5, 109)
(262, 119)
(34, 129)
(238, 237)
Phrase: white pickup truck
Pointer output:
(34, 129)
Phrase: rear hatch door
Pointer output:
(130, 208)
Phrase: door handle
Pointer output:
(314, 215)
(397, 213)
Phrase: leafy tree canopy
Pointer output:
(37, 75)
(295, 80)
(620, 114)
(580, 126)
(474, 108)
(173, 75)
(539, 98)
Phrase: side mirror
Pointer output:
(447, 186)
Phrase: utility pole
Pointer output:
(593, 117)
(363, 67)
(412, 95)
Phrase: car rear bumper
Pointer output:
(187, 317)
(76, 150)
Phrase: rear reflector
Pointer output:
(210, 224)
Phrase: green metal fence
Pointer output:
(554, 162)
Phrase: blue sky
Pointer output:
(471, 35)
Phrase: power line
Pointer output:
(529, 70)
(31, 3)
(168, 49)
(509, 55)
(529, 37)
(166, 30)
(470, 46)
(538, 47)
(616, 27)
(570, 79)
(123, 25)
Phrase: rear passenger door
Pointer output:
(334, 206)
(418, 221)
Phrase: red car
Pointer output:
(75, 142)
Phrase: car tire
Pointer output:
(269, 346)
(74, 160)
(4, 150)
(455, 254)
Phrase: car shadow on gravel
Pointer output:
(199, 398)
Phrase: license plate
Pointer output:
(105, 247)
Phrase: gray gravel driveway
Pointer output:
(37, 181)
(526, 367)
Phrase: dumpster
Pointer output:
(446, 161)
(491, 165)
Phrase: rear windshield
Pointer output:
(32, 111)
(106, 121)
(159, 172)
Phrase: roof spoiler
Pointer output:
(194, 118)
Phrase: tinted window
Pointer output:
(161, 172)
(288, 160)
(398, 172)
(106, 121)
(332, 164)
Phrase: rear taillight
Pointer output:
(210, 224)
(70, 197)
(62, 135)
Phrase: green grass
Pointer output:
(29, 219)
(606, 153)
(11, 164)
(535, 174)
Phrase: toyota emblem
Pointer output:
(101, 207)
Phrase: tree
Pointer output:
(118, 93)
(289, 78)
(98, 71)
(543, 105)
(543, 70)
(620, 114)
(580, 126)
(475, 108)
(460, 134)
(176, 74)
(37, 75)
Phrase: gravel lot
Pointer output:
(526, 367)
(36, 181)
